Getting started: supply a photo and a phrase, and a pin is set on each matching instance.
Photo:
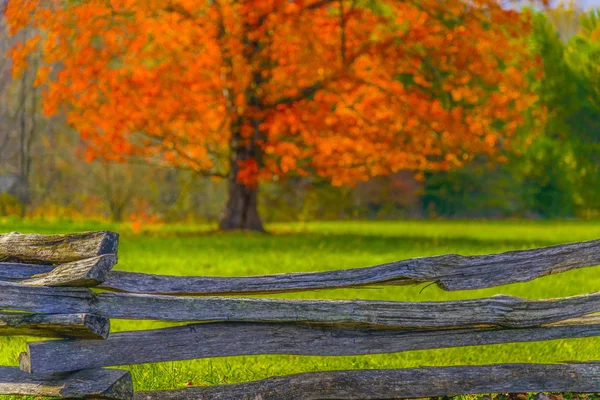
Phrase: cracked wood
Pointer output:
(449, 272)
(401, 383)
(85, 273)
(52, 249)
(82, 326)
(503, 311)
(233, 339)
(17, 271)
(96, 383)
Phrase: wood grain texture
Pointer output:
(502, 311)
(494, 311)
(450, 272)
(401, 383)
(447, 271)
(59, 300)
(83, 273)
(17, 271)
(82, 326)
(34, 248)
(231, 339)
(97, 383)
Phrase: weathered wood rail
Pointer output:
(401, 383)
(231, 339)
(500, 310)
(449, 272)
(48, 282)
(97, 383)
(83, 326)
(51, 249)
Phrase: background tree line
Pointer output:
(558, 174)
(554, 173)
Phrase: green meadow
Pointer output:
(321, 246)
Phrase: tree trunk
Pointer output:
(241, 210)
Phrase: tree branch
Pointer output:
(194, 167)
(318, 4)
(303, 94)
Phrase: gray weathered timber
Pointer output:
(497, 310)
(503, 311)
(83, 326)
(51, 300)
(97, 383)
(231, 339)
(18, 271)
(504, 268)
(34, 248)
(85, 273)
(401, 383)
(450, 272)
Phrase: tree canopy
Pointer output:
(255, 90)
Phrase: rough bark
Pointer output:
(233, 339)
(44, 249)
(505, 311)
(241, 209)
(83, 273)
(82, 326)
(401, 383)
(97, 383)
(450, 272)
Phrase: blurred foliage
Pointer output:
(554, 173)
(558, 174)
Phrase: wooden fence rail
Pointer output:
(54, 276)
(95, 383)
(506, 311)
(51, 249)
(401, 383)
(233, 339)
(83, 326)
(449, 272)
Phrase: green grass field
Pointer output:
(320, 246)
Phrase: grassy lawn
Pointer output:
(320, 246)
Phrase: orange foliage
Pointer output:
(143, 216)
(346, 89)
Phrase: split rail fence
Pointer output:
(46, 283)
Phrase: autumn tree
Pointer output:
(254, 90)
